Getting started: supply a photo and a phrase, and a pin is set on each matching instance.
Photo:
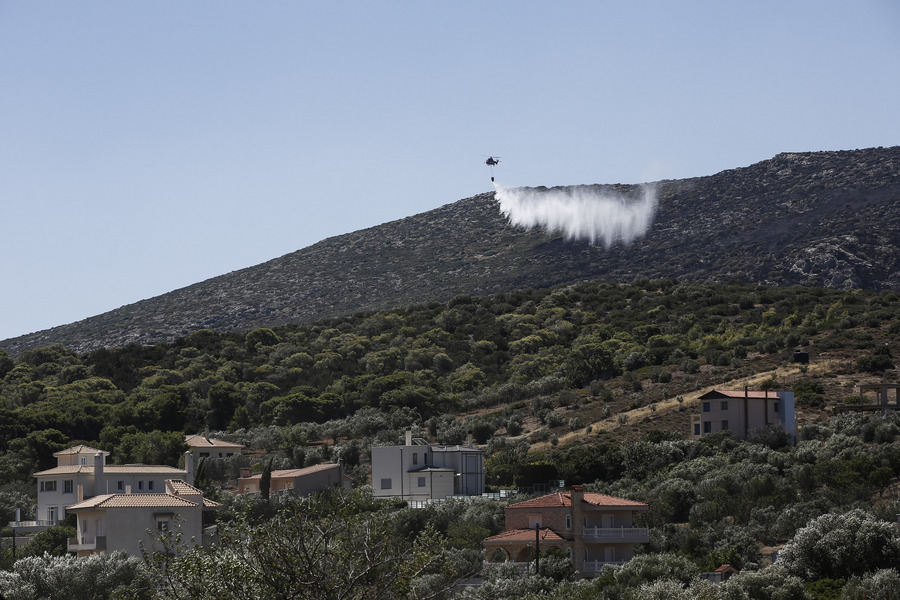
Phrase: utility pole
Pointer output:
(537, 548)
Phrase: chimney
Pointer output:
(245, 472)
(99, 483)
(81, 493)
(409, 437)
(189, 467)
(206, 433)
(469, 440)
(128, 489)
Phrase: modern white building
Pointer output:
(82, 472)
(111, 522)
(419, 471)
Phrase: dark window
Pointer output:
(724, 404)
(150, 485)
(706, 407)
(421, 482)
(707, 427)
(67, 486)
(724, 425)
(415, 458)
(776, 407)
(697, 429)
(386, 484)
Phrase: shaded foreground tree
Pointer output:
(338, 546)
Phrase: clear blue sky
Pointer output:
(148, 145)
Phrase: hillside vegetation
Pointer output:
(825, 219)
(592, 383)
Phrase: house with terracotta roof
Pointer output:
(419, 471)
(111, 522)
(744, 412)
(301, 482)
(592, 529)
(203, 446)
(82, 472)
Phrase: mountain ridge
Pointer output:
(827, 219)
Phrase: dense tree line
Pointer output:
(535, 360)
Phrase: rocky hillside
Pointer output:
(819, 218)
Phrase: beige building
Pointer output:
(82, 472)
(592, 529)
(203, 446)
(111, 522)
(419, 471)
(302, 482)
(744, 412)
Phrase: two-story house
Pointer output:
(592, 529)
(419, 471)
(111, 522)
(82, 472)
(301, 482)
(744, 412)
(203, 446)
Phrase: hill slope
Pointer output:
(821, 219)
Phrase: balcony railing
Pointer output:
(32, 524)
(635, 534)
(87, 543)
(594, 566)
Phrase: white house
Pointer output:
(110, 522)
(82, 472)
(419, 471)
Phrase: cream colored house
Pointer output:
(419, 471)
(203, 446)
(592, 529)
(82, 472)
(744, 412)
(111, 522)
(302, 482)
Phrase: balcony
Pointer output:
(87, 543)
(592, 567)
(633, 535)
(31, 526)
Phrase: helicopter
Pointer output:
(491, 161)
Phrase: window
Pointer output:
(776, 407)
(68, 486)
(724, 425)
(706, 407)
(425, 456)
(150, 485)
(707, 427)
(421, 482)
(120, 485)
(48, 486)
(386, 484)
(568, 521)
(141, 484)
(162, 525)
(724, 404)
(697, 429)
(84, 460)
(204, 455)
(415, 458)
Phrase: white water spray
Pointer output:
(580, 213)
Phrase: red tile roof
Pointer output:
(200, 441)
(564, 499)
(523, 535)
